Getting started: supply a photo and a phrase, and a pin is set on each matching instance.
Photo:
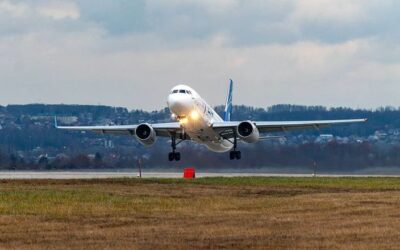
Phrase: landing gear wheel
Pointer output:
(177, 156)
(232, 155)
(171, 156)
(238, 155)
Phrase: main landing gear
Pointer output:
(235, 154)
(174, 156)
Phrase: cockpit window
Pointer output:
(182, 91)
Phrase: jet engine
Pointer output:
(248, 132)
(145, 134)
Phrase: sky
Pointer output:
(130, 53)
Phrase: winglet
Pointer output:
(55, 122)
(228, 105)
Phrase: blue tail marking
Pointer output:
(228, 105)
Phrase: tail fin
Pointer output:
(228, 105)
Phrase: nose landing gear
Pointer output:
(174, 156)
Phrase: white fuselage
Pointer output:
(196, 118)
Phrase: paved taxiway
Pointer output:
(65, 175)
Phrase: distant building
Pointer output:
(91, 156)
(62, 156)
(324, 138)
(343, 140)
(44, 159)
(380, 134)
(106, 121)
(108, 144)
(67, 120)
(39, 118)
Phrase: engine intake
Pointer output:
(145, 134)
(248, 132)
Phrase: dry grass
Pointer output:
(274, 213)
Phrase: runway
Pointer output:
(70, 175)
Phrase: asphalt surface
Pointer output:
(65, 175)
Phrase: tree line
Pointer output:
(25, 140)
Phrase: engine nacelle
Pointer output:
(248, 132)
(145, 134)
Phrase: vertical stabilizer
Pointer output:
(228, 105)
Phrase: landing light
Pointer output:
(183, 120)
(194, 115)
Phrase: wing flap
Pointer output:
(283, 126)
(162, 129)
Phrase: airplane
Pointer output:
(198, 122)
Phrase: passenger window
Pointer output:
(182, 91)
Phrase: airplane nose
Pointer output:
(180, 104)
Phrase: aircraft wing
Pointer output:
(161, 129)
(283, 126)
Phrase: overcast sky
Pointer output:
(132, 52)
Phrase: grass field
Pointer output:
(274, 213)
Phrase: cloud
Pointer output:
(14, 9)
(211, 6)
(193, 22)
(256, 22)
(115, 17)
(59, 10)
(35, 9)
(303, 73)
(24, 17)
(118, 51)
(342, 11)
